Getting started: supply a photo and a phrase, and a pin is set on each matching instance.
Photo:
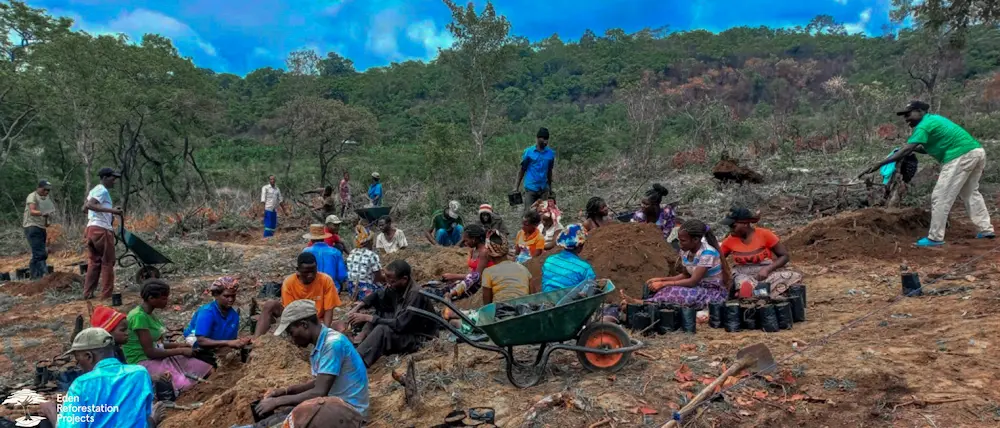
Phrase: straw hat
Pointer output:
(316, 232)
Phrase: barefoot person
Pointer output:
(337, 369)
(306, 283)
(105, 384)
(962, 161)
(758, 255)
(100, 236)
(702, 282)
(145, 344)
(216, 325)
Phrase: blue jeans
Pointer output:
(36, 240)
(449, 239)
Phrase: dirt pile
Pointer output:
(275, 362)
(626, 253)
(880, 233)
(430, 263)
(728, 170)
(53, 281)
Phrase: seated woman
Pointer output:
(529, 242)
(216, 324)
(144, 345)
(596, 214)
(465, 285)
(702, 283)
(111, 321)
(551, 225)
(758, 255)
(566, 269)
(652, 212)
(503, 281)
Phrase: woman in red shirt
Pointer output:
(758, 255)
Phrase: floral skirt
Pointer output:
(360, 290)
(697, 296)
(780, 279)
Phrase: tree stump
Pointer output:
(411, 390)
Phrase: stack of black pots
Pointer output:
(663, 318)
(770, 315)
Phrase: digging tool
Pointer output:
(757, 358)
(192, 406)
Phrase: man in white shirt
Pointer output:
(270, 197)
(100, 236)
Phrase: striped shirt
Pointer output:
(564, 270)
(706, 257)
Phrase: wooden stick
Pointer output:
(601, 422)
(709, 390)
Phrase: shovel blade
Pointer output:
(763, 361)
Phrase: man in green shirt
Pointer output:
(37, 209)
(962, 163)
(446, 226)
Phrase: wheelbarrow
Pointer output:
(372, 214)
(139, 252)
(599, 346)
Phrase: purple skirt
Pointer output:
(689, 296)
(178, 366)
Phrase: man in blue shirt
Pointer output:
(337, 366)
(216, 324)
(536, 170)
(109, 394)
(566, 269)
(375, 190)
(329, 260)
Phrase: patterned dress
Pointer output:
(665, 222)
(709, 290)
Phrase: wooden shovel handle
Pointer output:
(708, 391)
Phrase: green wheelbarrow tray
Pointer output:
(139, 252)
(599, 346)
(372, 214)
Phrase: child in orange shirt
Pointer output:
(529, 242)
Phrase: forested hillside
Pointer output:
(71, 103)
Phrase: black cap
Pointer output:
(105, 172)
(914, 105)
(44, 184)
(738, 214)
(543, 133)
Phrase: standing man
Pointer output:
(536, 165)
(270, 197)
(37, 209)
(962, 160)
(345, 194)
(100, 236)
(375, 190)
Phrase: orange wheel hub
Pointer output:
(604, 340)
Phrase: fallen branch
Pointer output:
(601, 422)
(924, 403)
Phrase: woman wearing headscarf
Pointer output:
(364, 268)
(758, 255)
(111, 321)
(216, 324)
(702, 282)
(566, 269)
(653, 212)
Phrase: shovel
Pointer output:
(755, 357)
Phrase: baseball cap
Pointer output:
(44, 184)
(332, 219)
(325, 412)
(914, 105)
(738, 214)
(104, 172)
(376, 175)
(453, 207)
(295, 311)
(89, 339)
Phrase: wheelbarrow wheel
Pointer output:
(603, 335)
(146, 272)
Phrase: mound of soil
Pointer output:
(275, 362)
(429, 264)
(727, 170)
(54, 281)
(626, 253)
(879, 233)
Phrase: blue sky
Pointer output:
(238, 36)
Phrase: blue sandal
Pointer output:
(986, 235)
(927, 242)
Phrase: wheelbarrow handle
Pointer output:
(445, 302)
(457, 332)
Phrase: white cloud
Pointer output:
(143, 21)
(426, 33)
(859, 27)
(844, 2)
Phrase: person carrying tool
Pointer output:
(963, 161)
(216, 324)
(758, 255)
(566, 269)
(306, 283)
(537, 163)
(145, 344)
(329, 260)
(271, 199)
(105, 384)
(38, 208)
(446, 226)
(337, 368)
(394, 328)
(100, 236)
(375, 191)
